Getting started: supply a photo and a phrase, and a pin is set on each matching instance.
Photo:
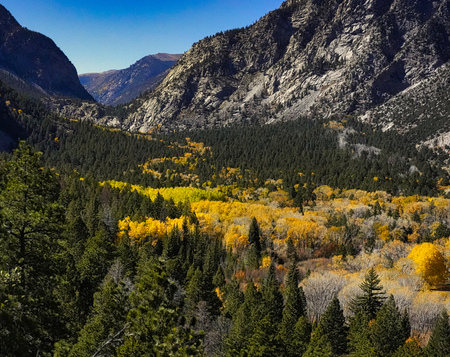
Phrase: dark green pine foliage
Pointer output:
(105, 329)
(32, 244)
(387, 331)
(331, 332)
(372, 297)
(264, 342)
(219, 278)
(360, 342)
(254, 235)
(175, 270)
(155, 326)
(172, 244)
(406, 326)
(253, 258)
(272, 297)
(201, 288)
(234, 297)
(294, 309)
(439, 343)
(94, 263)
(128, 254)
(291, 251)
(244, 322)
(195, 289)
(300, 338)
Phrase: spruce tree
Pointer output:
(294, 308)
(254, 235)
(234, 297)
(291, 251)
(439, 343)
(195, 289)
(300, 337)
(372, 298)
(108, 319)
(405, 326)
(387, 332)
(154, 327)
(331, 331)
(219, 278)
(272, 297)
(263, 341)
(244, 322)
(360, 342)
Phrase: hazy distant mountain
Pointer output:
(32, 63)
(120, 86)
(307, 57)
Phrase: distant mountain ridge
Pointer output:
(121, 86)
(32, 63)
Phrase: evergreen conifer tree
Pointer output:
(387, 332)
(300, 337)
(234, 297)
(219, 278)
(372, 298)
(294, 308)
(439, 343)
(331, 331)
(244, 323)
(272, 297)
(154, 320)
(360, 342)
(105, 329)
(254, 235)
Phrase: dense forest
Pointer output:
(321, 237)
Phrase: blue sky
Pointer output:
(99, 35)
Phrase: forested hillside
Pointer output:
(302, 238)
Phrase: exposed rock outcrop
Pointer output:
(333, 57)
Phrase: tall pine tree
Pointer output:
(439, 343)
(331, 331)
(388, 329)
(294, 308)
(372, 297)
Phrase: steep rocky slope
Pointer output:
(120, 86)
(32, 63)
(307, 57)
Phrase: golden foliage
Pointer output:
(177, 194)
(150, 228)
(266, 261)
(430, 263)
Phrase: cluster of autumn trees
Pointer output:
(220, 242)
(85, 272)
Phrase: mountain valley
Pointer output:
(281, 189)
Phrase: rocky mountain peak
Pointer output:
(333, 57)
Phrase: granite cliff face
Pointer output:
(330, 57)
(33, 64)
(121, 86)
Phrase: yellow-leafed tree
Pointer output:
(430, 262)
